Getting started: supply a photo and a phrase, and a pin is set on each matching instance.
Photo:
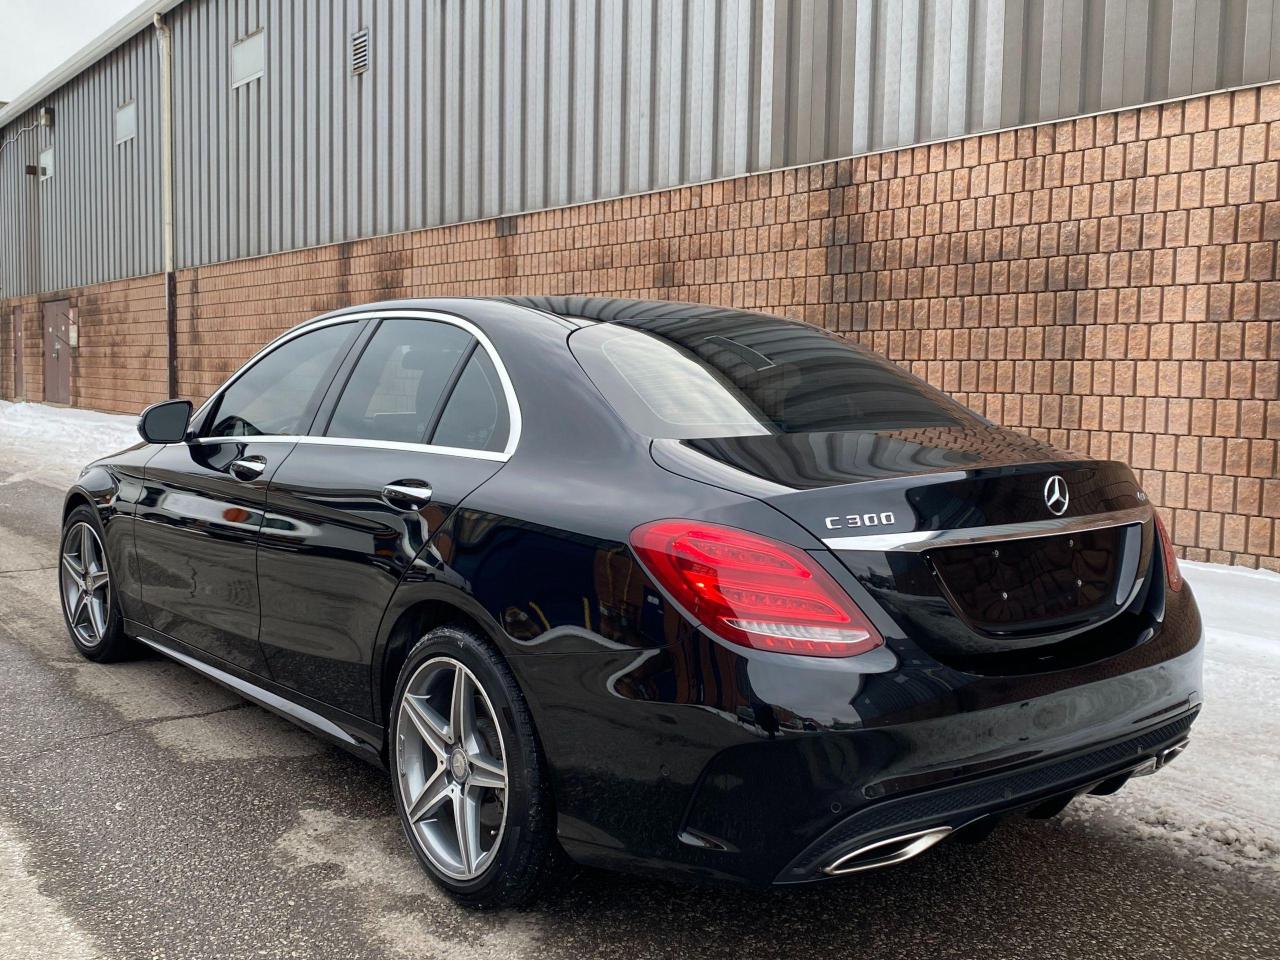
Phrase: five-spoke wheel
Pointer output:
(86, 584)
(470, 781)
(451, 763)
(89, 600)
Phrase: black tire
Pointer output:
(113, 644)
(526, 851)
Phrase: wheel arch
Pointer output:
(415, 610)
(96, 488)
(75, 497)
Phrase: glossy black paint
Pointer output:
(165, 422)
(196, 543)
(307, 584)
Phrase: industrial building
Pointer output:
(1064, 212)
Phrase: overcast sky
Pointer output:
(41, 34)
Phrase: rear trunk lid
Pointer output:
(987, 547)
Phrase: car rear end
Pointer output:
(1012, 665)
(966, 622)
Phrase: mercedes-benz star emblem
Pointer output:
(1056, 496)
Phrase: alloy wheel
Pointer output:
(452, 768)
(86, 584)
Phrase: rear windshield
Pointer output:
(742, 374)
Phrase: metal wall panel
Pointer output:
(98, 217)
(476, 108)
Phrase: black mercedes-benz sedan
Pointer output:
(656, 586)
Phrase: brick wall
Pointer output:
(120, 364)
(1107, 283)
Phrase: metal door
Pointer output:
(57, 352)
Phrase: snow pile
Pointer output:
(1220, 800)
(51, 444)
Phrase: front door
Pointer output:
(57, 352)
(421, 422)
(203, 500)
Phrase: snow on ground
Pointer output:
(1220, 801)
(51, 444)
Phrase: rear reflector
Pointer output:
(752, 590)
(1173, 574)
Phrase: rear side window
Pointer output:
(277, 395)
(476, 417)
(742, 374)
(397, 384)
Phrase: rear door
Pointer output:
(419, 418)
(203, 499)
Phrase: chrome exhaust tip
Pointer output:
(1170, 754)
(884, 853)
(1146, 768)
(1160, 760)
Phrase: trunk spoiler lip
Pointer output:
(919, 540)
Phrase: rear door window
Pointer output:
(396, 387)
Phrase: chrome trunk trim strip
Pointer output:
(919, 540)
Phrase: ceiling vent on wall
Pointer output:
(360, 51)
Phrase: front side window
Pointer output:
(733, 374)
(396, 386)
(277, 395)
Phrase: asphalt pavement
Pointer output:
(145, 812)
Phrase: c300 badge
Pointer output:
(855, 520)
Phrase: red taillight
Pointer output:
(1173, 575)
(753, 590)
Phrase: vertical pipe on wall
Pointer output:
(166, 202)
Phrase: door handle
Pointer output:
(248, 468)
(413, 494)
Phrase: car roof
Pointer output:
(620, 309)
(565, 311)
(577, 310)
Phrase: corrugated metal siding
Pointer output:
(474, 108)
(98, 217)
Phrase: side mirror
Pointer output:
(165, 422)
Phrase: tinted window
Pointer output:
(742, 374)
(395, 387)
(274, 395)
(475, 417)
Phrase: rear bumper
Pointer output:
(866, 838)
(710, 761)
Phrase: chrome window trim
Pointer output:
(356, 442)
(919, 540)
(513, 404)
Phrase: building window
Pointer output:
(46, 163)
(248, 56)
(126, 122)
